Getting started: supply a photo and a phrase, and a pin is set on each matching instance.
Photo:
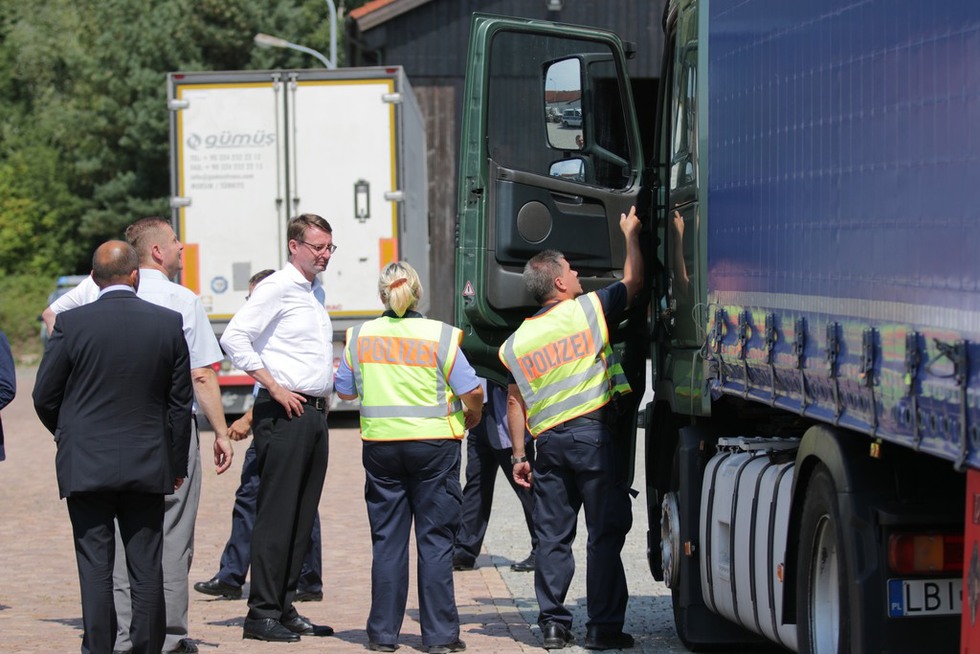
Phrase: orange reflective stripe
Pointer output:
(394, 350)
(570, 348)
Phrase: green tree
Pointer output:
(84, 140)
(36, 208)
(87, 79)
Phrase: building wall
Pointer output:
(431, 41)
(438, 106)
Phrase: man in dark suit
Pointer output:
(114, 388)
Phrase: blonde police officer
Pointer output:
(418, 394)
(562, 379)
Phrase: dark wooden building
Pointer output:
(429, 38)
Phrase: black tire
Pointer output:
(821, 587)
(681, 622)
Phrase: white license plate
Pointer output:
(924, 597)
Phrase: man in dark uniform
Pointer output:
(563, 376)
(488, 447)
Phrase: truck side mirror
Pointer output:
(563, 104)
(572, 170)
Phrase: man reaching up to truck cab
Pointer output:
(563, 378)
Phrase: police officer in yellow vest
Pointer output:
(418, 395)
(562, 379)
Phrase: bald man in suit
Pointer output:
(114, 388)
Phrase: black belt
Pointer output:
(588, 420)
(317, 403)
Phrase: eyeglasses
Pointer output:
(320, 249)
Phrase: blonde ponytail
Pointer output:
(399, 287)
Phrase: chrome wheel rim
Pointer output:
(825, 590)
(670, 539)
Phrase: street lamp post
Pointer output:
(267, 41)
(333, 32)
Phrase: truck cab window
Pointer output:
(555, 105)
(684, 127)
(682, 221)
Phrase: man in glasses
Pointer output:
(236, 557)
(283, 338)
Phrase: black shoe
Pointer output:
(303, 627)
(458, 646)
(218, 589)
(556, 635)
(527, 565)
(598, 640)
(308, 596)
(268, 630)
(184, 647)
(463, 563)
(381, 647)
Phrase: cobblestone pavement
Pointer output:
(40, 609)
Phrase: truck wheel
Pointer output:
(671, 555)
(672, 560)
(821, 589)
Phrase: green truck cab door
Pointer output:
(550, 157)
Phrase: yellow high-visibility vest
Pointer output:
(401, 369)
(563, 364)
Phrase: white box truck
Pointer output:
(251, 149)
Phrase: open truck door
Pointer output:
(529, 183)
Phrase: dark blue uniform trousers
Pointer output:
(574, 467)
(237, 553)
(482, 462)
(406, 480)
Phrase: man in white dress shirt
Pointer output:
(283, 338)
(160, 260)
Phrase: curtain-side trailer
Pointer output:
(810, 190)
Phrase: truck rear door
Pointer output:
(227, 181)
(253, 149)
(342, 149)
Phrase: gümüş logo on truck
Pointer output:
(229, 139)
